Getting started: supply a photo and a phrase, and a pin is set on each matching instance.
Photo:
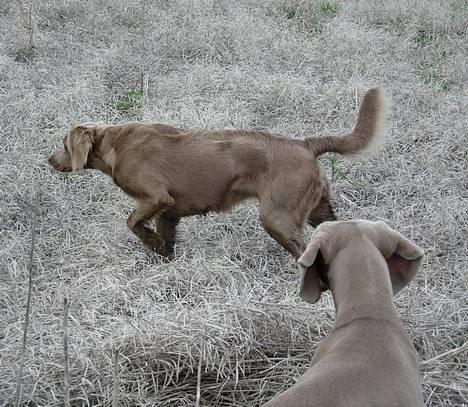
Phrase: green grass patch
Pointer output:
(434, 58)
(447, 84)
(431, 76)
(424, 38)
(290, 12)
(330, 9)
(309, 16)
(338, 172)
(130, 103)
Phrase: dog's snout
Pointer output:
(54, 162)
(58, 164)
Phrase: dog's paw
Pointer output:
(155, 243)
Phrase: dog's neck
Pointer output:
(360, 285)
(102, 155)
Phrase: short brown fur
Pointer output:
(172, 173)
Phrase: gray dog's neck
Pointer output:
(360, 284)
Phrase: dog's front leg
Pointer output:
(144, 211)
(166, 228)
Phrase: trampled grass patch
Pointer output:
(435, 52)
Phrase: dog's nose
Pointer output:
(52, 162)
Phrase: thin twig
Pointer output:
(197, 401)
(448, 353)
(115, 392)
(30, 31)
(21, 7)
(66, 362)
(28, 301)
(28, 21)
(461, 390)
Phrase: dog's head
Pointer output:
(77, 145)
(402, 256)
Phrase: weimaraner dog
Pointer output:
(368, 360)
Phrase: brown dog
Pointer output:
(173, 173)
(368, 359)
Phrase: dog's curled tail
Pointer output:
(368, 134)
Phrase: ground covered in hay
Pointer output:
(222, 324)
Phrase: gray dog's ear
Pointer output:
(80, 143)
(404, 263)
(310, 289)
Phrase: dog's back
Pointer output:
(208, 170)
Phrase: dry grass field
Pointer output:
(221, 324)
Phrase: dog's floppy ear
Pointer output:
(310, 289)
(80, 143)
(404, 263)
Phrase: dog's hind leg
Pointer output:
(321, 213)
(285, 226)
(280, 227)
(285, 205)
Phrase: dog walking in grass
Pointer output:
(368, 360)
(172, 173)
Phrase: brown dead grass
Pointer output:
(222, 319)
